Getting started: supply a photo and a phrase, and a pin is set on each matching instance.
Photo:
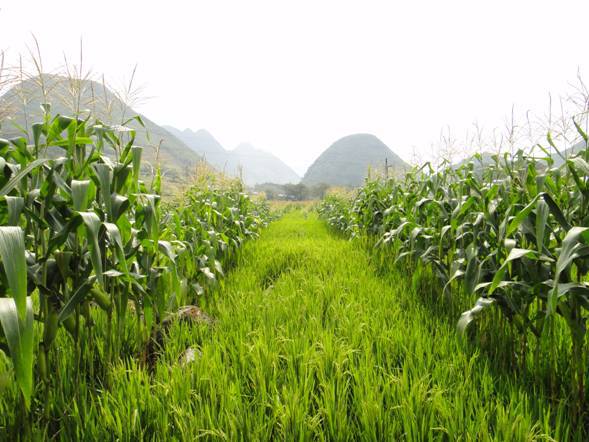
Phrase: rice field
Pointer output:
(301, 345)
(450, 304)
(505, 245)
(95, 267)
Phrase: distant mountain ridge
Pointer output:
(254, 166)
(87, 96)
(201, 141)
(259, 166)
(347, 161)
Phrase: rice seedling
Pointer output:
(302, 346)
(305, 346)
(88, 249)
(510, 237)
(100, 276)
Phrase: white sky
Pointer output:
(291, 77)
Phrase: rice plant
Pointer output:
(509, 237)
(88, 249)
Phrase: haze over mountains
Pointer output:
(345, 163)
(70, 97)
(179, 151)
(253, 165)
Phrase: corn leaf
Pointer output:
(12, 252)
(15, 208)
(514, 254)
(571, 250)
(79, 189)
(93, 224)
(470, 315)
(13, 182)
(19, 335)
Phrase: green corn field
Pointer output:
(94, 264)
(109, 292)
(445, 303)
(501, 250)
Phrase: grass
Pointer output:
(87, 247)
(506, 238)
(310, 342)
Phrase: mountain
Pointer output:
(347, 161)
(258, 166)
(254, 166)
(575, 149)
(66, 95)
(203, 143)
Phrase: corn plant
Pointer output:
(85, 238)
(514, 234)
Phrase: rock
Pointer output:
(189, 355)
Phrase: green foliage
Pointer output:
(512, 234)
(77, 97)
(85, 241)
(309, 342)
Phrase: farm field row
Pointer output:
(95, 267)
(310, 341)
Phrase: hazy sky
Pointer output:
(291, 77)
